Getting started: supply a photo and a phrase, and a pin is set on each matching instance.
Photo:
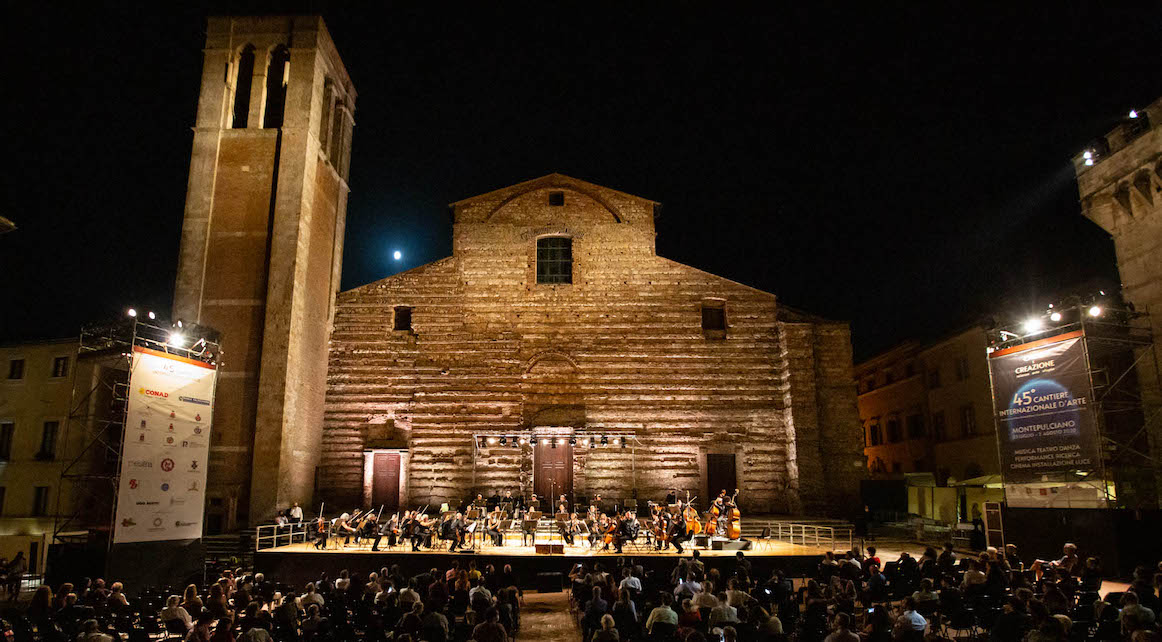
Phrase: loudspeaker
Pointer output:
(549, 582)
(550, 549)
(731, 545)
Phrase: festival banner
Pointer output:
(1043, 399)
(161, 494)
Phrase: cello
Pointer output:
(733, 518)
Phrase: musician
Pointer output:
(296, 513)
(596, 504)
(597, 529)
(492, 528)
(672, 497)
(592, 514)
(677, 533)
(368, 528)
(449, 529)
(720, 502)
(343, 527)
(390, 528)
(627, 531)
(320, 533)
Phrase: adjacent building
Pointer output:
(1119, 178)
(35, 399)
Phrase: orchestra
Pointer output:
(672, 523)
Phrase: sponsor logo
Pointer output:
(128, 523)
(193, 487)
(132, 484)
(169, 440)
(176, 501)
(172, 415)
(171, 427)
(143, 424)
(157, 522)
(198, 417)
(197, 430)
(165, 487)
(179, 523)
(185, 444)
(145, 503)
(200, 402)
(153, 393)
(140, 463)
(142, 437)
(194, 464)
(167, 464)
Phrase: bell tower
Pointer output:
(261, 250)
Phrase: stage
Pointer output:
(300, 562)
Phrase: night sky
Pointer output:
(904, 169)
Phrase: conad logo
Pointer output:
(153, 393)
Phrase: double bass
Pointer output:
(690, 515)
(733, 518)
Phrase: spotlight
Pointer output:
(585, 441)
(1133, 113)
(623, 444)
(555, 442)
(176, 339)
(593, 444)
(1055, 317)
(1089, 162)
(132, 312)
(152, 315)
(523, 441)
(604, 440)
(1088, 155)
(492, 440)
(616, 441)
(544, 442)
(179, 323)
(515, 444)
(572, 441)
(504, 441)
(1095, 311)
(1033, 325)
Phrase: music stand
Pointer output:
(529, 530)
(534, 516)
(562, 517)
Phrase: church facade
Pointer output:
(554, 352)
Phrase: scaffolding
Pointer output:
(97, 411)
(1118, 342)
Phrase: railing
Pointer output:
(814, 535)
(274, 535)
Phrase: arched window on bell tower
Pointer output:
(277, 77)
(243, 79)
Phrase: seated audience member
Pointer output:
(91, 632)
(174, 611)
(1134, 616)
(1051, 630)
(690, 617)
(926, 593)
(909, 623)
(1068, 561)
(724, 613)
(841, 630)
(490, 630)
(201, 630)
(607, 632)
(662, 613)
(1013, 622)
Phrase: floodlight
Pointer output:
(152, 315)
(132, 312)
(1133, 113)
(1033, 325)
(1087, 155)
(1095, 311)
(1055, 317)
(176, 339)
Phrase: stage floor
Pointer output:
(760, 548)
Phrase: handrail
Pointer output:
(275, 535)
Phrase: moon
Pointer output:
(397, 255)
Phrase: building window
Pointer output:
(48, 440)
(7, 429)
(40, 501)
(60, 367)
(555, 260)
(934, 378)
(403, 318)
(894, 431)
(938, 428)
(16, 369)
(243, 80)
(876, 436)
(967, 421)
(2, 489)
(277, 76)
(714, 318)
(557, 199)
(962, 368)
(915, 426)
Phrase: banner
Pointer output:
(161, 494)
(1042, 395)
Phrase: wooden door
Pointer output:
(385, 482)
(554, 473)
(720, 475)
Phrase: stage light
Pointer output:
(555, 442)
(176, 339)
(132, 312)
(523, 441)
(1088, 155)
(1095, 311)
(1089, 162)
(492, 440)
(623, 444)
(585, 441)
(179, 323)
(572, 441)
(503, 441)
(152, 315)
(544, 442)
(616, 441)
(593, 444)
(604, 440)
(1133, 113)
(1055, 317)
(1033, 325)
